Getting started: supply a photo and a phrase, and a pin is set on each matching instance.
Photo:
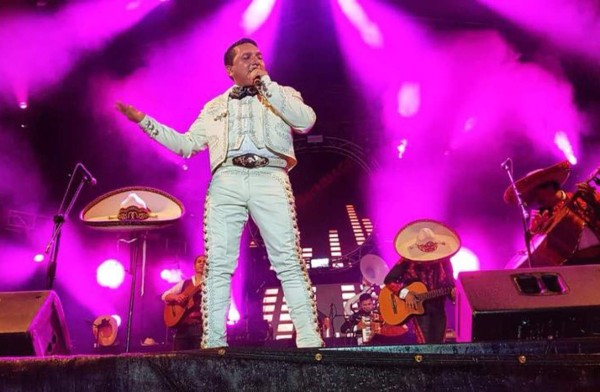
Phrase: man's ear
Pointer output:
(229, 69)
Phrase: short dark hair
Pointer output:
(364, 297)
(230, 53)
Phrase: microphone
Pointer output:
(261, 87)
(504, 164)
(88, 176)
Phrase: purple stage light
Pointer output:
(402, 148)
(409, 99)
(38, 258)
(369, 31)
(23, 105)
(464, 260)
(110, 274)
(132, 5)
(256, 15)
(171, 275)
(561, 139)
(234, 315)
(117, 319)
(571, 25)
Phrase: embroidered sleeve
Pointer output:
(185, 144)
(288, 104)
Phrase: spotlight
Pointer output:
(117, 318)
(409, 99)
(38, 258)
(561, 139)
(110, 274)
(171, 275)
(23, 105)
(402, 148)
(234, 316)
(464, 260)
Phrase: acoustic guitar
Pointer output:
(395, 310)
(174, 312)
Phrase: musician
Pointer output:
(425, 248)
(542, 190)
(353, 321)
(188, 332)
(248, 131)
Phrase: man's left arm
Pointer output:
(288, 104)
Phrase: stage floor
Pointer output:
(504, 366)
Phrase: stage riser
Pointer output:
(293, 370)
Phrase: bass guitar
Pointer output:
(174, 312)
(395, 310)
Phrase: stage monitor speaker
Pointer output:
(32, 324)
(528, 304)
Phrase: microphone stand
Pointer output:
(59, 219)
(507, 165)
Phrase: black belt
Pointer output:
(250, 161)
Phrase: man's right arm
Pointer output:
(185, 145)
(170, 295)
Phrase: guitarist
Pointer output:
(425, 248)
(188, 332)
(579, 234)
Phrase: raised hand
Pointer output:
(257, 73)
(130, 111)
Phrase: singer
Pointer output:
(248, 132)
(569, 222)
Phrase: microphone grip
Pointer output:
(89, 177)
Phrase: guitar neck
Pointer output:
(436, 293)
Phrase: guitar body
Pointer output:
(174, 312)
(394, 310)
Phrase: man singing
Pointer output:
(248, 132)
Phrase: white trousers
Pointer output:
(266, 195)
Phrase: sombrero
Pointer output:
(105, 330)
(131, 208)
(558, 173)
(426, 240)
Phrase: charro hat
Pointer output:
(426, 240)
(558, 173)
(105, 330)
(132, 208)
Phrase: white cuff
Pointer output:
(403, 293)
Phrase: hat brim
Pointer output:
(447, 245)
(102, 212)
(557, 173)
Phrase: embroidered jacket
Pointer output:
(281, 111)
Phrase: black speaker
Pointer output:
(528, 304)
(32, 324)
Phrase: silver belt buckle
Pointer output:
(250, 161)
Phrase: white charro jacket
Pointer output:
(282, 111)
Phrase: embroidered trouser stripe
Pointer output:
(266, 195)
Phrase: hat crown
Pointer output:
(425, 235)
(133, 200)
